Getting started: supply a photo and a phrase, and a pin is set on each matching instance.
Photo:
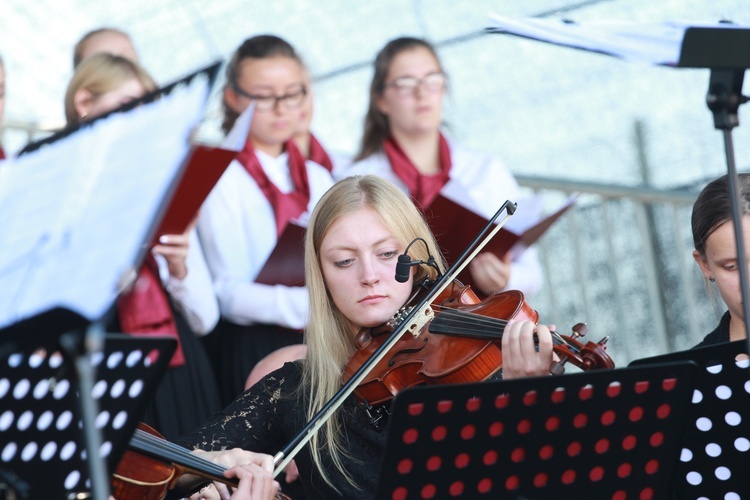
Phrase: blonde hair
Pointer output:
(328, 335)
(102, 73)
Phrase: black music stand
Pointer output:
(605, 434)
(41, 420)
(715, 454)
(66, 260)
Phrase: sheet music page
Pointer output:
(654, 43)
(236, 138)
(77, 212)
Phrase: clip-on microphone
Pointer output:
(404, 264)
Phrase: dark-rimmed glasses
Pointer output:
(406, 85)
(291, 100)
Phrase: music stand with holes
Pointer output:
(40, 416)
(715, 454)
(73, 245)
(604, 434)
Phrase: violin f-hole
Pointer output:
(391, 360)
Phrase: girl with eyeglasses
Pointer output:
(403, 142)
(269, 184)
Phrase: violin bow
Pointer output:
(414, 321)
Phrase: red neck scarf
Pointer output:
(422, 188)
(285, 206)
(319, 155)
(2, 153)
(145, 310)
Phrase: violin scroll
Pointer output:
(588, 356)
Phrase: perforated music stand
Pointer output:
(608, 434)
(40, 411)
(715, 456)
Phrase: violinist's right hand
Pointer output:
(229, 458)
(256, 483)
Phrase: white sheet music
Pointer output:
(76, 212)
(236, 138)
(654, 43)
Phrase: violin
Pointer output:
(413, 320)
(152, 466)
(461, 344)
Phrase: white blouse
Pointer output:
(488, 184)
(193, 296)
(237, 228)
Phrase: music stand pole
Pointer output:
(79, 347)
(723, 99)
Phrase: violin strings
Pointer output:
(465, 323)
(149, 443)
(470, 324)
(478, 318)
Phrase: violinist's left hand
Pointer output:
(489, 272)
(523, 355)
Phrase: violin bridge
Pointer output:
(420, 320)
(417, 322)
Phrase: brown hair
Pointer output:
(376, 126)
(712, 208)
(257, 47)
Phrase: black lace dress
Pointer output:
(267, 417)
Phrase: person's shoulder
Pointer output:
(318, 173)
(719, 335)
(462, 154)
(374, 163)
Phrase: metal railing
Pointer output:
(621, 261)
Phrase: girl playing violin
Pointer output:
(356, 233)
(716, 252)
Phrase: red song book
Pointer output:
(205, 166)
(455, 227)
(286, 264)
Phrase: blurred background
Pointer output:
(637, 142)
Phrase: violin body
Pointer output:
(142, 477)
(436, 358)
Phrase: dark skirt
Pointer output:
(187, 395)
(235, 349)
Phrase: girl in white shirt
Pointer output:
(403, 143)
(269, 185)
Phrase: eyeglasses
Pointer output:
(406, 85)
(269, 102)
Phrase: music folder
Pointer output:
(455, 227)
(204, 168)
(286, 264)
